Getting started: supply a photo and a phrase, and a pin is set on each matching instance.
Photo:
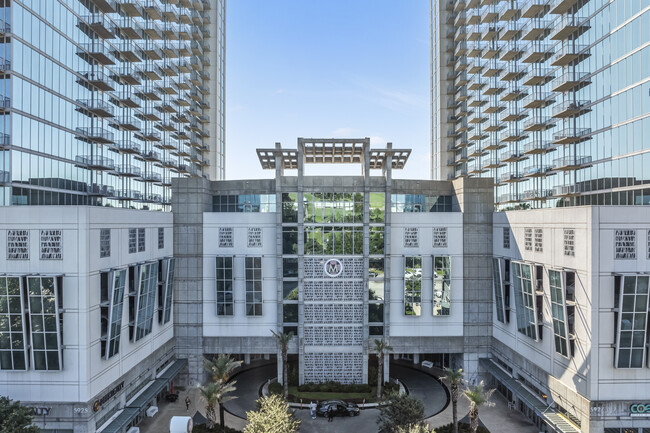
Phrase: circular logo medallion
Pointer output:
(333, 268)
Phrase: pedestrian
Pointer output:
(187, 403)
(330, 414)
(312, 409)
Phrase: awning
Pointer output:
(551, 417)
(123, 419)
(148, 394)
(173, 370)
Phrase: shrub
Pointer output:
(462, 428)
(216, 429)
(334, 387)
(276, 388)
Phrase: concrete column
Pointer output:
(386, 368)
(247, 358)
(416, 358)
(267, 356)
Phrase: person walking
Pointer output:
(330, 414)
(187, 403)
(312, 409)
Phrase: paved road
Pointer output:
(366, 422)
(423, 387)
(248, 389)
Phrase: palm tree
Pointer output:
(220, 367)
(477, 397)
(217, 394)
(283, 341)
(381, 347)
(455, 378)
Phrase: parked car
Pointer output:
(341, 408)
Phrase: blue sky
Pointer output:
(335, 68)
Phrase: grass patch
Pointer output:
(355, 397)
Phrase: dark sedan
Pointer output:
(339, 407)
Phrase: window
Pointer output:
(328, 240)
(420, 203)
(51, 248)
(411, 238)
(632, 302)
(569, 242)
(506, 238)
(226, 237)
(558, 310)
(441, 286)
(112, 285)
(145, 279)
(440, 237)
(18, 244)
(528, 239)
(224, 286)
(524, 300)
(141, 240)
(44, 303)
(104, 243)
(413, 286)
(161, 238)
(539, 240)
(499, 298)
(290, 240)
(166, 293)
(377, 207)
(244, 203)
(13, 335)
(290, 313)
(376, 240)
(254, 237)
(289, 207)
(253, 286)
(625, 244)
(133, 241)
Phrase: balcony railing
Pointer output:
(571, 162)
(572, 135)
(96, 107)
(569, 27)
(95, 162)
(127, 146)
(570, 81)
(128, 170)
(95, 134)
(571, 109)
(95, 80)
(535, 194)
(96, 52)
(536, 148)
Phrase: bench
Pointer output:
(427, 364)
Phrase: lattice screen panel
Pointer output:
(339, 367)
(51, 248)
(333, 335)
(333, 313)
(18, 244)
(335, 290)
(625, 244)
(226, 237)
(352, 268)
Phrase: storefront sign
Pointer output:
(333, 268)
(98, 403)
(41, 411)
(640, 409)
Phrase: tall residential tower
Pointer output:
(549, 98)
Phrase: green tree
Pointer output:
(272, 415)
(455, 379)
(415, 428)
(15, 418)
(221, 367)
(214, 394)
(400, 410)
(283, 341)
(381, 347)
(477, 397)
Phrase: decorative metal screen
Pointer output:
(333, 290)
(13, 335)
(51, 245)
(314, 268)
(411, 237)
(333, 313)
(18, 244)
(539, 240)
(141, 239)
(104, 243)
(161, 238)
(133, 241)
(625, 244)
(569, 242)
(344, 335)
(528, 239)
(338, 367)
(226, 237)
(440, 237)
(254, 237)
(506, 237)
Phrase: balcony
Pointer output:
(511, 31)
(460, 35)
(128, 170)
(461, 48)
(150, 73)
(97, 25)
(95, 135)
(97, 190)
(514, 115)
(150, 156)
(534, 8)
(476, 67)
(511, 51)
(491, 51)
(570, 55)
(494, 163)
(538, 100)
(127, 146)
(512, 134)
(126, 74)
(94, 162)
(152, 177)
(510, 178)
(129, 29)
(571, 109)
(570, 81)
(131, 8)
(562, 6)
(5, 140)
(152, 9)
(536, 52)
(153, 198)
(538, 148)
(571, 163)
(478, 119)
(493, 69)
(536, 29)
(478, 135)
(513, 94)
(171, 31)
(128, 194)
(512, 156)
(96, 53)
(508, 198)
(509, 10)
(567, 190)
(492, 109)
(460, 19)
(494, 88)
(494, 126)
(478, 101)
(572, 135)
(183, 168)
(538, 123)
(537, 171)
(569, 27)
(149, 135)
(490, 32)
(474, 33)
(536, 194)
(126, 99)
(125, 123)
(148, 93)
(461, 64)
(489, 14)
(168, 69)
(98, 108)
(538, 76)
(126, 51)
(152, 30)
(106, 6)
(513, 73)
(476, 83)
(494, 145)
(95, 80)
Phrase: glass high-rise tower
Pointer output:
(550, 98)
(103, 102)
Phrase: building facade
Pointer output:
(546, 97)
(105, 101)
